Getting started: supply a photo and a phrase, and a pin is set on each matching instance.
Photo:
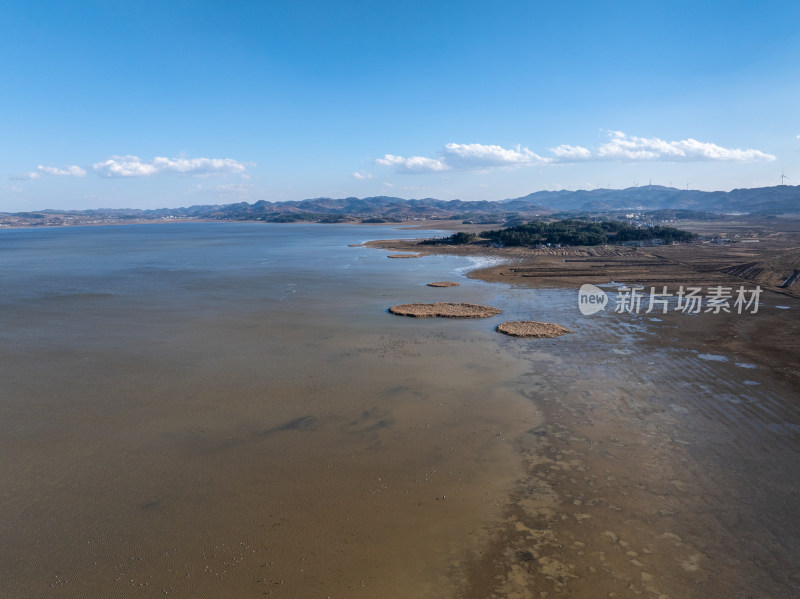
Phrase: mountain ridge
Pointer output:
(780, 199)
(765, 200)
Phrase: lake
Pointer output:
(228, 410)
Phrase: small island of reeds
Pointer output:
(445, 310)
(531, 328)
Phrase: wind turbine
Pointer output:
(783, 177)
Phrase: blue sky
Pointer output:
(171, 103)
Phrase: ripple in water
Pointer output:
(712, 357)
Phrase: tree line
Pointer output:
(568, 232)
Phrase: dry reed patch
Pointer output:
(531, 328)
(444, 284)
(444, 310)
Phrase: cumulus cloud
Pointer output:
(569, 153)
(124, 166)
(488, 156)
(133, 166)
(632, 148)
(361, 176)
(67, 171)
(620, 147)
(414, 164)
(464, 157)
(198, 166)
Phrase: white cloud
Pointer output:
(361, 176)
(488, 156)
(464, 157)
(415, 164)
(67, 171)
(620, 147)
(198, 166)
(123, 166)
(625, 147)
(567, 153)
(133, 166)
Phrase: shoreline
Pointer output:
(410, 224)
(767, 337)
(413, 225)
(628, 486)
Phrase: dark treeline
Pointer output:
(683, 215)
(459, 238)
(578, 232)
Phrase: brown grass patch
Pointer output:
(531, 328)
(444, 310)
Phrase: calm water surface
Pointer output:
(183, 404)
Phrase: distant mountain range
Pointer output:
(765, 200)
(781, 199)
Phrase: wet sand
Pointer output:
(655, 472)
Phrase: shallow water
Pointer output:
(215, 409)
(229, 410)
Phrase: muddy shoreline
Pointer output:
(766, 338)
(634, 486)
